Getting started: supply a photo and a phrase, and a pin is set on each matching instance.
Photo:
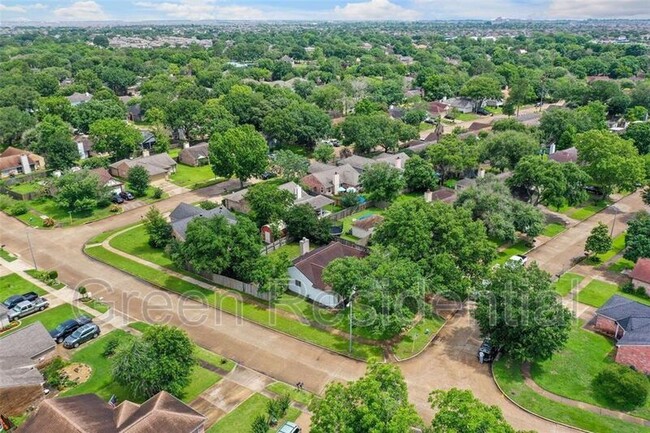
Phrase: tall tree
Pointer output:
(324, 153)
(13, 123)
(80, 192)
(116, 137)
(240, 151)
(89, 112)
(289, 165)
(480, 88)
(138, 179)
(382, 182)
(637, 237)
(505, 149)
(599, 241)
(185, 115)
(419, 174)
(367, 132)
(302, 222)
(452, 156)
(268, 203)
(54, 143)
(298, 124)
(158, 229)
(639, 133)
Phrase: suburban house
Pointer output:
(475, 128)
(465, 183)
(84, 146)
(148, 140)
(305, 276)
(158, 166)
(134, 113)
(464, 105)
(359, 163)
(195, 155)
(79, 98)
(443, 194)
(105, 179)
(438, 109)
(333, 180)
(237, 200)
(563, 156)
(88, 413)
(364, 227)
(181, 216)
(641, 274)
(14, 161)
(628, 322)
(21, 352)
(395, 112)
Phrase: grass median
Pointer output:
(232, 305)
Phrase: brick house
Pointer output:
(628, 322)
(641, 274)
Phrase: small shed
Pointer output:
(365, 226)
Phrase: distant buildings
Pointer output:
(161, 41)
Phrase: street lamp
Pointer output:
(611, 234)
(31, 250)
(349, 305)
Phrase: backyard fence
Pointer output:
(336, 216)
(266, 249)
(234, 284)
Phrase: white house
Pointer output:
(305, 276)
(365, 226)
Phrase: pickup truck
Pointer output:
(26, 308)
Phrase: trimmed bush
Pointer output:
(621, 386)
(17, 209)
(157, 193)
(207, 205)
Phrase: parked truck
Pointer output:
(26, 308)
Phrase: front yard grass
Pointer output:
(418, 337)
(584, 211)
(96, 305)
(297, 395)
(567, 282)
(240, 419)
(193, 177)
(232, 305)
(592, 352)
(519, 247)
(6, 255)
(618, 244)
(508, 375)
(597, 292)
(135, 242)
(200, 380)
(553, 229)
(621, 265)
(107, 234)
(51, 317)
(46, 206)
(14, 284)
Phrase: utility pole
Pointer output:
(354, 291)
(31, 249)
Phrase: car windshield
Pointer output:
(77, 333)
(63, 326)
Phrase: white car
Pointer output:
(518, 259)
(290, 427)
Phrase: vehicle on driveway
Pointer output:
(117, 199)
(289, 427)
(84, 333)
(487, 352)
(518, 259)
(68, 327)
(25, 308)
(14, 300)
(126, 195)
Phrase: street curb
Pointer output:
(429, 343)
(83, 249)
(529, 411)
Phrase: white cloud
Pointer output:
(599, 9)
(38, 6)
(203, 10)
(16, 9)
(375, 10)
(81, 11)
(476, 9)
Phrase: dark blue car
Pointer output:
(68, 327)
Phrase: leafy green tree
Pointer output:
(419, 174)
(89, 112)
(452, 250)
(623, 387)
(207, 245)
(289, 165)
(382, 182)
(158, 229)
(302, 222)
(324, 153)
(459, 411)
(366, 132)
(240, 151)
(599, 241)
(161, 360)
(117, 79)
(480, 88)
(298, 124)
(509, 124)
(116, 137)
(452, 156)
(138, 179)
(612, 162)
(54, 143)
(101, 41)
(636, 113)
(13, 123)
(520, 92)
(268, 203)
(520, 311)
(377, 402)
(185, 115)
(637, 237)
(57, 105)
(45, 84)
(80, 192)
(21, 97)
(505, 149)
(327, 97)
(245, 252)
(414, 117)
(349, 199)
(639, 133)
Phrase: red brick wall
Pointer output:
(636, 356)
(605, 325)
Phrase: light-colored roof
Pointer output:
(180, 225)
(154, 164)
(347, 175)
(368, 222)
(30, 342)
(197, 151)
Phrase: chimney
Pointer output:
(80, 148)
(428, 196)
(24, 161)
(336, 182)
(304, 246)
(551, 149)
(298, 192)
(398, 163)
(145, 152)
(481, 173)
(186, 145)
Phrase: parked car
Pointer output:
(268, 175)
(487, 352)
(518, 259)
(68, 327)
(289, 427)
(126, 195)
(14, 300)
(483, 112)
(117, 199)
(84, 333)
(25, 308)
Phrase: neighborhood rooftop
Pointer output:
(632, 316)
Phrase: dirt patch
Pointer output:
(76, 372)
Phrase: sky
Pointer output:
(316, 10)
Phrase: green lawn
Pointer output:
(53, 316)
(347, 221)
(597, 292)
(107, 234)
(26, 188)
(621, 265)
(136, 242)
(292, 250)
(97, 305)
(300, 396)
(509, 377)
(48, 207)
(618, 244)
(418, 337)
(466, 117)
(592, 352)
(584, 211)
(214, 359)
(230, 304)
(139, 326)
(194, 177)
(567, 282)
(6, 255)
(519, 247)
(201, 379)
(240, 419)
(42, 276)
(14, 284)
(553, 229)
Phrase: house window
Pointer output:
(298, 283)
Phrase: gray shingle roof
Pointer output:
(30, 342)
(179, 226)
(632, 316)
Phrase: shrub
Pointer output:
(260, 424)
(114, 208)
(17, 209)
(52, 275)
(157, 192)
(628, 288)
(283, 404)
(207, 205)
(621, 386)
(5, 201)
(49, 222)
(277, 408)
(110, 348)
(349, 199)
(54, 376)
(82, 291)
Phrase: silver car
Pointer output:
(289, 427)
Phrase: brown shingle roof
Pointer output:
(566, 155)
(313, 263)
(641, 270)
(444, 194)
(368, 222)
